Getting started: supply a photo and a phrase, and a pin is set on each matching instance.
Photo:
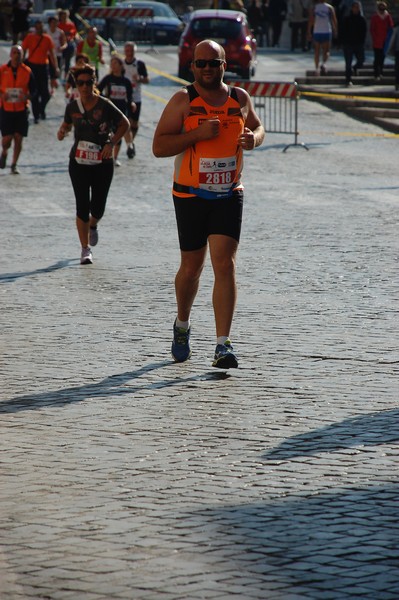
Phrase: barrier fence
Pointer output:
(107, 19)
(276, 103)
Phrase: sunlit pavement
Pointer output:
(127, 476)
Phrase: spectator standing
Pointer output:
(20, 12)
(254, 15)
(5, 20)
(118, 89)
(298, 15)
(322, 26)
(395, 49)
(353, 37)
(206, 126)
(136, 72)
(93, 48)
(17, 85)
(69, 28)
(277, 15)
(98, 126)
(40, 49)
(264, 7)
(381, 28)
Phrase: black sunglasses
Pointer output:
(80, 82)
(213, 63)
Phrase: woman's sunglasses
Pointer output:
(80, 82)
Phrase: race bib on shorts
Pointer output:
(118, 92)
(217, 174)
(88, 153)
(14, 95)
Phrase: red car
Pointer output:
(227, 27)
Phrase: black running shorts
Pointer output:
(14, 122)
(198, 218)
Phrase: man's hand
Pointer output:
(209, 129)
(247, 139)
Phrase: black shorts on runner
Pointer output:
(14, 122)
(198, 218)
(135, 115)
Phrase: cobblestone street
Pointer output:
(127, 476)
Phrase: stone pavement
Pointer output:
(125, 476)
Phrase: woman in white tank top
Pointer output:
(322, 26)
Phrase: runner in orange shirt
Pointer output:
(40, 50)
(17, 85)
(207, 126)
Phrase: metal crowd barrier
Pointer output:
(276, 103)
(98, 14)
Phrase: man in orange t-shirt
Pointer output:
(41, 52)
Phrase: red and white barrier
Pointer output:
(270, 89)
(90, 12)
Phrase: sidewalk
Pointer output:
(126, 476)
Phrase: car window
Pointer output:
(218, 28)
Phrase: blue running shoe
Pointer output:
(181, 343)
(225, 357)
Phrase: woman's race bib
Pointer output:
(217, 174)
(118, 92)
(88, 153)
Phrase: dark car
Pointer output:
(164, 27)
(227, 27)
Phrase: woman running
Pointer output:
(98, 125)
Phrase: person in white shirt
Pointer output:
(322, 26)
(58, 37)
(136, 72)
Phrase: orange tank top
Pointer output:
(211, 168)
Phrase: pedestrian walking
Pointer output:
(41, 53)
(298, 15)
(98, 126)
(17, 86)
(381, 29)
(322, 26)
(118, 89)
(207, 125)
(136, 72)
(277, 14)
(353, 37)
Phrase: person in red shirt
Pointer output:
(381, 28)
(72, 37)
(40, 49)
(17, 85)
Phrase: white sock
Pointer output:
(183, 324)
(222, 339)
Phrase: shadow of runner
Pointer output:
(381, 427)
(61, 264)
(115, 385)
(335, 545)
